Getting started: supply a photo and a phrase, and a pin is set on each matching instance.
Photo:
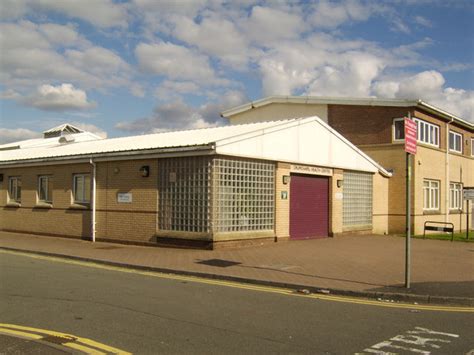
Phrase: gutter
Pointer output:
(114, 155)
(93, 198)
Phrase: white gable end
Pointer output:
(305, 141)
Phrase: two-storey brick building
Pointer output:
(443, 165)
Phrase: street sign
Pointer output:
(410, 136)
(468, 193)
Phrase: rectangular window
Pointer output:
(14, 189)
(82, 188)
(398, 129)
(455, 142)
(455, 196)
(45, 189)
(428, 133)
(472, 147)
(430, 195)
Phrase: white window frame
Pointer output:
(49, 194)
(472, 147)
(452, 139)
(14, 189)
(394, 131)
(431, 195)
(428, 133)
(83, 199)
(455, 196)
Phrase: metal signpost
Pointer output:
(468, 195)
(410, 149)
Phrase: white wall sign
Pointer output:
(124, 197)
(313, 170)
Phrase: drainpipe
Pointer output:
(446, 198)
(94, 168)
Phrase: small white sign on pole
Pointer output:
(468, 194)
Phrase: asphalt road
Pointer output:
(148, 314)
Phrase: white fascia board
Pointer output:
(446, 114)
(318, 100)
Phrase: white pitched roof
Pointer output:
(49, 142)
(302, 140)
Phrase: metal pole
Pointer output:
(408, 221)
(467, 220)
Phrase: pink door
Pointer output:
(309, 207)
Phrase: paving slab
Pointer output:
(371, 266)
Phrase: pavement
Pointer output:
(368, 266)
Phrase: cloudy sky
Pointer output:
(128, 67)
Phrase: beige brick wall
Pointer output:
(335, 202)
(380, 221)
(61, 218)
(135, 221)
(282, 206)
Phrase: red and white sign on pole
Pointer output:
(410, 136)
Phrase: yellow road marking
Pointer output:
(239, 285)
(84, 349)
(20, 334)
(84, 344)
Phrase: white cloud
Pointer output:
(34, 54)
(267, 24)
(329, 14)
(179, 115)
(8, 135)
(214, 36)
(101, 13)
(423, 21)
(174, 62)
(429, 86)
(91, 128)
(172, 89)
(59, 98)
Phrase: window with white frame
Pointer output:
(455, 196)
(14, 189)
(472, 147)
(455, 142)
(398, 129)
(430, 195)
(45, 189)
(82, 188)
(428, 133)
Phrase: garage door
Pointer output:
(309, 207)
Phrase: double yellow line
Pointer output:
(74, 342)
(246, 286)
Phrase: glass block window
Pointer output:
(357, 199)
(184, 194)
(244, 195)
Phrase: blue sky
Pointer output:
(129, 67)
